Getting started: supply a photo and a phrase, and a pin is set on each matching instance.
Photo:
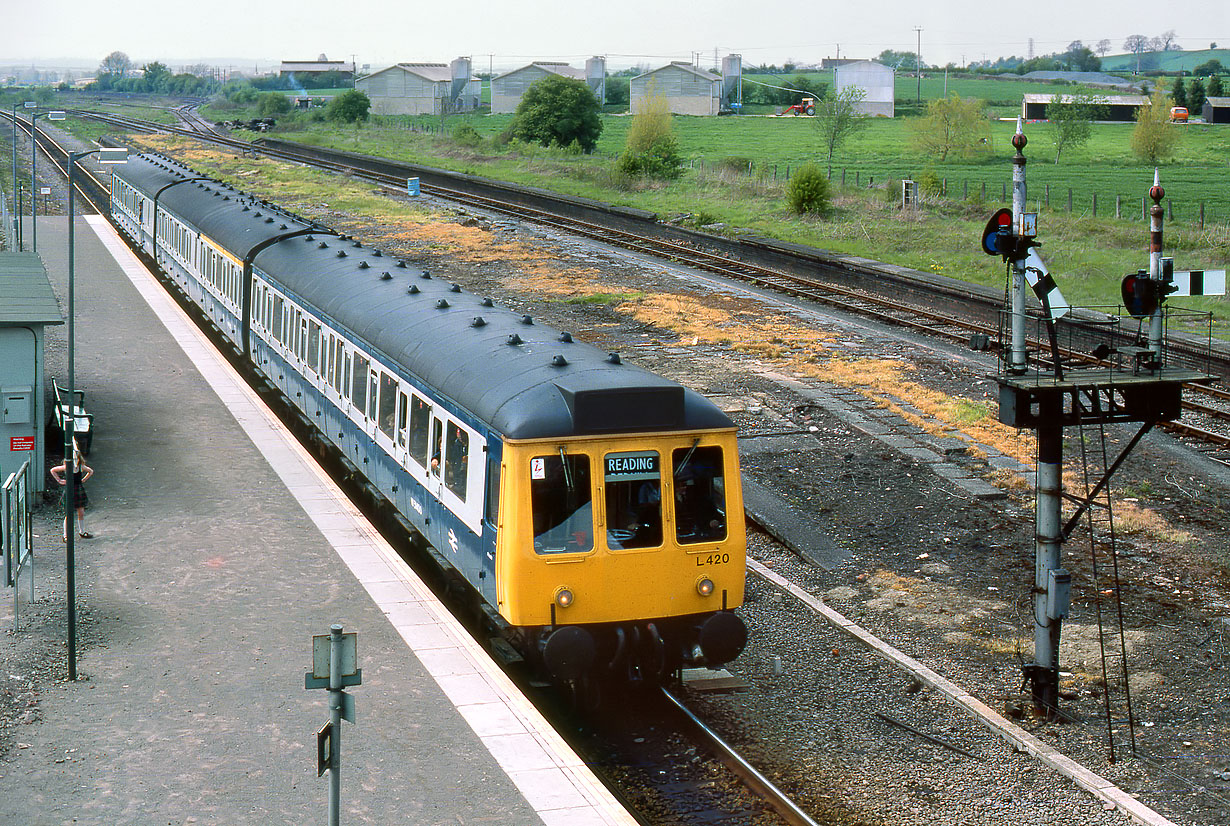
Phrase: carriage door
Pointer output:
(435, 468)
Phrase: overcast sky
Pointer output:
(507, 34)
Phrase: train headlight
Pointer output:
(563, 597)
(705, 586)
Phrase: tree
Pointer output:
(1214, 89)
(1136, 44)
(1168, 43)
(838, 117)
(1154, 138)
(954, 125)
(1209, 68)
(1178, 92)
(156, 77)
(651, 147)
(1071, 120)
(115, 64)
(1195, 95)
(1103, 47)
(269, 104)
(558, 111)
(905, 61)
(350, 106)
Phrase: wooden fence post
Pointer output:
(965, 195)
(1047, 196)
(843, 176)
(984, 190)
(1118, 206)
(1202, 215)
(1095, 205)
(1069, 200)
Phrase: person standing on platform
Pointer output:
(81, 472)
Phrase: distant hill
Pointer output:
(1165, 61)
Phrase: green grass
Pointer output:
(1165, 61)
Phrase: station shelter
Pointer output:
(27, 305)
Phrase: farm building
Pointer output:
(1216, 110)
(302, 69)
(1114, 107)
(507, 89)
(875, 79)
(688, 90)
(422, 88)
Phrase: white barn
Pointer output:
(507, 89)
(422, 88)
(688, 90)
(877, 81)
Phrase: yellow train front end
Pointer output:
(623, 555)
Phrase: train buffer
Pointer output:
(83, 423)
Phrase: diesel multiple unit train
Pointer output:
(594, 505)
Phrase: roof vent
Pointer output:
(413, 289)
(341, 253)
(527, 320)
(456, 288)
(442, 304)
(401, 264)
(566, 338)
(282, 226)
(386, 276)
(309, 238)
(478, 321)
(226, 197)
(268, 220)
(247, 208)
(377, 253)
(559, 361)
(425, 274)
(487, 302)
(613, 358)
(322, 246)
(363, 265)
(216, 193)
(258, 214)
(514, 340)
(356, 244)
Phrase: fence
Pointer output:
(1124, 207)
(16, 534)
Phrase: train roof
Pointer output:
(524, 379)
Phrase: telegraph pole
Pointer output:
(918, 62)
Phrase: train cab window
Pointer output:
(420, 419)
(358, 392)
(633, 484)
(562, 504)
(388, 404)
(457, 461)
(700, 494)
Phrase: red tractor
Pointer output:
(807, 106)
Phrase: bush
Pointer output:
(349, 107)
(659, 160)
(556, 111)
(808, 191)
(929, 184)
(272, 103)
(736, 164)
(466, 135)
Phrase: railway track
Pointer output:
(1212, 410)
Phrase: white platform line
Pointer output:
(553, 779)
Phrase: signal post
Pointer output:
(1108, 372)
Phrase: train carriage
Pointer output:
(594, 505)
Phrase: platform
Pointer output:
(219, 550)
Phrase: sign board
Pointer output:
(320, 655)
(21, 443)
(46, 190)
(324, 748)
(1194, 282)
(631, 467)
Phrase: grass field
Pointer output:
(1089, 255)
(1165, 61)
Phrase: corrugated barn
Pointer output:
(877, 81)
(1114, 107)
(507, 89)
(1216, 110)
(422, 88)
(688, 90)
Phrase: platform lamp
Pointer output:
(107, 156)
(34, 116)
(29, 104)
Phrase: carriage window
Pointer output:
(420, 416)
(457, 460)
(313, 347)
(388, 403)
(562, 504)
(277, 317)
(337, 364)
(700, 494)
(403, 413)
(358, 393)
(437, 436)
(371, 396)
(633, 483)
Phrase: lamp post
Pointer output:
(111, 156)
(34, 116)
(29, 104)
